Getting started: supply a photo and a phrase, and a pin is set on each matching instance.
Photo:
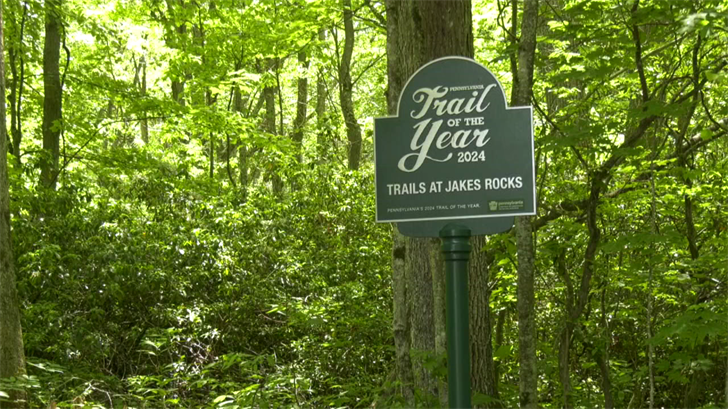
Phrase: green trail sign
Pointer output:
(454, 151)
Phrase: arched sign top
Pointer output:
(460, 74)
(455, 150)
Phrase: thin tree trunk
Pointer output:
(353, 130)
(144, 125)
(212, 155)
(513, 56)
(321, 106)
(52, 101)
(301, 106)
(242, 149)
(499, 342)
(247, 176)
(12, 358)
(604, 355)
(16, 98)
(694, 392)
(603, 362)
(178, 89)
(269, 123)
(528, 392)
(564, 348)
(12, 97)
(178, 85)
(210, 101)
(726, 383)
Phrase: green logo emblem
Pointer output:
(493, 205)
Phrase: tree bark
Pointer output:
(178, 85)
(437, 267)
(301, 106)
(321, 147)
(421, 299)
(12, 358)
(726, 384)
(418, 32)
(401, 318)
(52, 101)
(269, 122)
(242, 149)
(499, 327)
(482, 375)
(603, 362)
(402, 61)
(13, 54)
(528, 392)
(353, 130)
(16, 92)
(694, 392)
(144, 125)
(564, 378)
(603, 356)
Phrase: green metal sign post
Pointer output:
(456, 249)
(455, 152)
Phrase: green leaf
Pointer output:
(220, 398)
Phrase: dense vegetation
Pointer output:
(191, 195)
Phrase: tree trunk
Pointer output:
(725, 396)
(481, 347)
(528, 392)
(210, 101)
(603, 356)
(12, 97)
(178, 89)
(12, 359)
(437, 267)
(353, 130)
(301, 106)
(421, 299)
(321, 106)
(144, 125)
(499, 327)
(242, 149)
(178, 85)
(212, 156)
(402, 62)
(418, 32)
(603, 363)
(16, 97)
(400, 319)
(269, 123)
(564, 348)
(52, 120)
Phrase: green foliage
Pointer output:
(154, 276)
(182, 296)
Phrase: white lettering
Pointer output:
(428, 95)
(423, 147)
(430, 98)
